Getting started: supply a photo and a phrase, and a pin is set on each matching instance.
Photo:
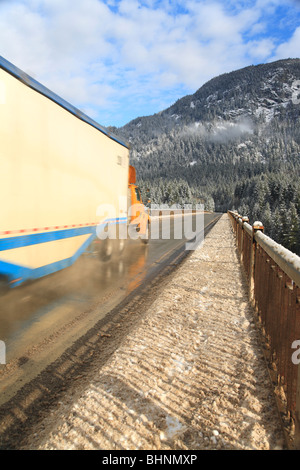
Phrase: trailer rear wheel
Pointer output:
(121, 246)
(145, 238)
(106, 249)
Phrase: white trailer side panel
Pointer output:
(55, 171)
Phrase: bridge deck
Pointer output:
(191, 376)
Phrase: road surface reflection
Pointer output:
(87, 290)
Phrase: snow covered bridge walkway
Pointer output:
(190, 376)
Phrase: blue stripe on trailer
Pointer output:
(44, 237)
(17, 274)
(37, 238)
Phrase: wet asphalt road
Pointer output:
(60, 308)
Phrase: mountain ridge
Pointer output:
(248, 74)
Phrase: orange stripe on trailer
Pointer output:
(16, 280)
(57, 227)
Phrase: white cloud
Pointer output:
(261, 49)
(291, 48)
(212, 23)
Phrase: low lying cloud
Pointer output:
(221, 131)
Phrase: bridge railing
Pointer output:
(273, 274)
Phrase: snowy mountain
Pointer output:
(235, 143)
(255, 92)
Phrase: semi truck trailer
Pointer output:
(65, 183)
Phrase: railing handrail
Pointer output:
(285, 259)
(288, 261)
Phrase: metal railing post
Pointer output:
(244, 219)
(255, 227)
(297, 413)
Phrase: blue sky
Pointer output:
(121, 59)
